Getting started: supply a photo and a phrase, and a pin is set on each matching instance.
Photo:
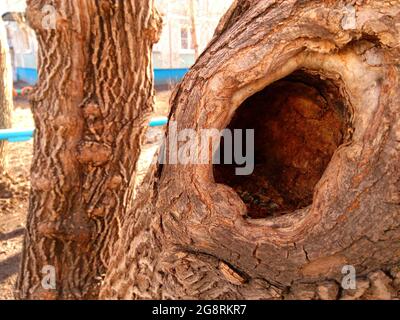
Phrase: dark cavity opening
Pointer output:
(299, 122)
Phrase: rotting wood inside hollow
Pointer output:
(299, 122)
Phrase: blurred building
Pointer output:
(172, 55)
(12, 6)
(21, 40)
(175, 48)
(23, 47)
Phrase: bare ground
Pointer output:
(14, 197)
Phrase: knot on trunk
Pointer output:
(91, 110)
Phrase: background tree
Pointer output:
(190, 237)
(193, 28)
(6, 85)
(91, 108)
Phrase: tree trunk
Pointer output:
(335, 199)
(91, 107)
(6, 84)
(193, 29)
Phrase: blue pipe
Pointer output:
(161, 76)
(20, 135)
(16, 135)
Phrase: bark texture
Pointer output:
(189, 237)
(91, 107)
(6, 85)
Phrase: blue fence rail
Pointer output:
(16, 135)
(20, 135)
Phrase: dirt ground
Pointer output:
(14, 204)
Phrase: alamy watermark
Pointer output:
(209, 146)
(49, 20)
(49, 277)
(349, 279)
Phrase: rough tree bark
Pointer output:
(6, 84)
(189, 237)
(91, 107)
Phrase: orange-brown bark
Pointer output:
(190, 237)
(91, 107)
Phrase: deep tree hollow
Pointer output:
(298, 122)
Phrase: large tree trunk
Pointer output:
(6, 84)
(190, 237)
(91, 107)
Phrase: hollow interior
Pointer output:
(298, 123)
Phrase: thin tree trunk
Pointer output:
(193, 29)
(6, 84)
(190, 237)
(91, 107)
